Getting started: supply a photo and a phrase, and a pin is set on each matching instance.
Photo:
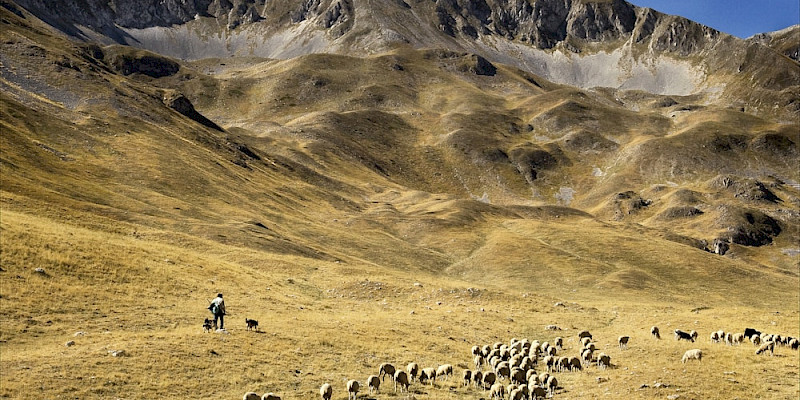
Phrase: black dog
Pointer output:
(207, 324)
(251, 324)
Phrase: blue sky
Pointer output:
(741, 18)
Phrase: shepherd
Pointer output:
(217, 307)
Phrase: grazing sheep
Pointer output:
(503, 371)
(445, 370)
(693, 354)
(529, 373)
(549, 362)
(412, 369)
(590, 346)
(737, 338)
(729, 339)
(427, 374)
(538, 392)
(498, 391)
(681, 335)
(374, 383)
(326, 391)
(401, 378)
(585, 341)
(693, 334)
(518, 376)
(584, 334)
(756, 340)
(352, 389)
(479, 361)
(270, 396)
(467, 377)
(575, 364)
(476, 350)
(552, 384)
(558, 342)
(794, 344)
(489, 379)
(767, 346)
(603, 361)
(386, 369)
(715, 337)
(515, 394)
(533, 381)
(749, 332)
(562, 363)
(623, 341)
(485, 350)
(477, 377)
(251, 396)
(543, 378)
(510, 388)
(586, 355)
(654, 331)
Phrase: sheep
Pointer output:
(654, 331)
(401, 378)
(467, 377)
(374, 384)
(767, 346)
(552, 384)
(585, 341)
(623, 341)
(737, 338)
(693, 354)
(559, 342)
(489, 379)
(794, 343)
(510, 388)
(543, 378)
(412, 369)
(386, 369)
(352, 389)
(584, 334)
(427, 374)
(497, 391)
(515, 394)
(551, 350)
(586, 355)
(479, 361)
(549, 362)
(251, 396)
(681, 335)
(445, 370)
(756, 340)
(485, 350)
(693, 334)
(603, 361)
(477, 377)
(326, 391)
(503, 371)
(715, 337)
(575, 364)
(518, 375)
(538, 392)
(476, 350)
(562, 363)
(270, 396)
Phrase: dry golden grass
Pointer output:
(330, 322)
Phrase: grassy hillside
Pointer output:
(394, 208)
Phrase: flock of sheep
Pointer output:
(523, 369)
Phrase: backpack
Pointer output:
(213, 308)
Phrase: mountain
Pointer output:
(345, 168)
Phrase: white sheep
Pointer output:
(427, 374)
(476, 350)
(401, 378)
(386, 369)
(251, 396)
(489, 378)
(623, 341)
(693, 354)
(654, 331)
(498, 391)
(794, 343)
(767, 346)
(558, 342)
(575, 364)
(538, 392)
(603, 361)
(756, 340)
(715, 337)
(516, 394)
(737, 338)
(467, 377)
(477, 377)
(374, 383)
(352, 389)
(585, 341)
(693, 334)
(552, 384)
(412, 369)
(445, 370)
(270, 396)
(326, 391)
